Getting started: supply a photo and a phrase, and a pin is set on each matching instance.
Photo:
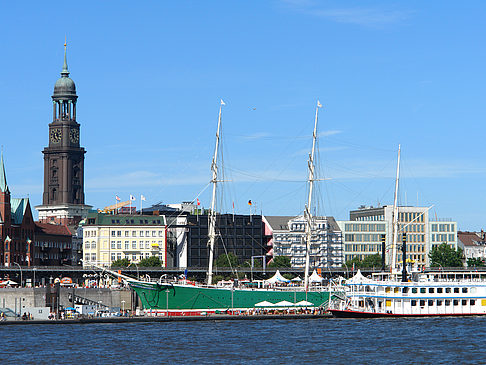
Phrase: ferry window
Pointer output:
(396, 290)
(387, 290)
(464, 290)
(414, 290)
(456, 290)
(473, 290)
(439, 290)
(448, 290)
(439, 302)
(431, 290)
(455, 302)
(431, 303)
(405, 290)
(473, 302)
(447, 302)
(422, 303)
(414, 303)
(422, 290)
(464, 302)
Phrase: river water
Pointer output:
(313, 341)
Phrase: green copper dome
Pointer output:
(65, 86)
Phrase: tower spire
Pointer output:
(3, 176)
(65, 72)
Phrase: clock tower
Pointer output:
(63, 197)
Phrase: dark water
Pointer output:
(317, 341)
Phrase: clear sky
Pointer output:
(150, 74)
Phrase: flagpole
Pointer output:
(130, 204)
(141, 204)
(116, 205)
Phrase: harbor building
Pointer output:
(362, 239)
(111, 237)
(52, 245)
(16, 226)
(473, 244)
(422, 233)
(63, 197)
(288, 238)
(239, 234)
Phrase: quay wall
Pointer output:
(18, 299)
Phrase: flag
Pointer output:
(142, 198)
(132, 198)
(249, 202)
(117, 197)
(319, 105)
(198, 202)
(233, 205)
(222, 102)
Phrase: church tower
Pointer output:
(63, 197)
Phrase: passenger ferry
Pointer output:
(435, 293)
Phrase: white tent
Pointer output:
(284, 303)
(304, 303)
(359, 279)
(264, 304)
(277, 278)
(315, 278)
(296, 279)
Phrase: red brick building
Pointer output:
(52, 245)
(16, 226)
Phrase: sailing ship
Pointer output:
(410, 293)
(176, 298)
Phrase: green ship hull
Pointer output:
(176, 297)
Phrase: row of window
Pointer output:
(133, 257)
(138, 221)
(134, 233)
(442, 237)
(444, 227)
(117, 245)
(412, 228)
(364, 227)
(447, 290)
(440, 302)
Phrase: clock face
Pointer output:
(74, 135)
(55, 135)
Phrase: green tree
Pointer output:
(121, 263)
(226, 260)
(445, 256)
(280, 261)
(152, 261)
(368, 261)
(371, 261)
(475, 262)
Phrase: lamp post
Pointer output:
(34, 269)
(123, 306)
(20, 268)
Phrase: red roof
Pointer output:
(56, 229)
(468, 238)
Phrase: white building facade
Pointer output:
(107, 238)
(289, 239)
(421, 233)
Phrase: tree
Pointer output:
(226, 260)
(445, 256)
(475, 262)
(368, 261)
(280, 261)
(152, 261)
(121, 263)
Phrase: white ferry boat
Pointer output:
(435, 293)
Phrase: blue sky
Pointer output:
(150, 75)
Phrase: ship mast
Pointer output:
(307, 212)
(395, 216)
(212, 213)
